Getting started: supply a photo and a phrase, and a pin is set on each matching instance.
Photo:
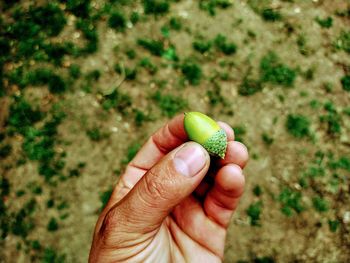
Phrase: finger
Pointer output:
(187, 246)
(164, 186)
(193, 222)
(228, 130)
(223, 198)
(236, 153)
(165, 139)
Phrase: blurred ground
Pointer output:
(277, 71)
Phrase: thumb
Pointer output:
(164, 186)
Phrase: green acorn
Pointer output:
(204, 130)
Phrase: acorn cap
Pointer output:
(216, 145)
(204, 130)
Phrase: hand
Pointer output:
(163, 209)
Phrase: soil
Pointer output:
(301, 237)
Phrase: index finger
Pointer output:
(164, 140)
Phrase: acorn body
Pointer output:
(205, 131)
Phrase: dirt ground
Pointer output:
(269, 225)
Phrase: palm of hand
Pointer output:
(185, 225)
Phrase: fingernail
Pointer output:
(189, 160)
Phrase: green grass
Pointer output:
(57, 84)
(95, 134)
(249, 86)
(38, 143)
(215, 96)
(147, 64)
(192, 72)
(320, 204)
(343, 41)
(333, 225)
(39, 76)
(220, 42)
(302, 43)
(2, 136)
(332, 119)
(51, 256)
(89, 30)
(175, 24)
(76, 172)
(134, 17)
(23, 115)
(5, 150)
(117, 21)
(156, 7)
(309, 74)
(169, 104)
(131, 152)
(240, 131)
(104, 197)
(291, 202)
(130, 73)
(44, 76)
(80, 8)
(224, 46)
(52, 225)
(254, 211)
(314, 171)
(131, 53)
(202, 46)
(343, 12)
(22, 222)
(274, 71)
(117, 100)
(345, 82)
(267, 139)
(48, 18)
(170, 54)
(346, 111)
(155, 47)
(271, 15)
(325, 22)
(141, 117)
(342, 163)
(264, 9)
(55, 52)
(74, 71)
(34, 188)
(93, 75)
(210, 6)
(165, 31)
(257, 190)
(298, 125)
(34, 57)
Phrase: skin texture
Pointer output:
(156, 214)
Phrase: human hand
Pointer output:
(163, 209)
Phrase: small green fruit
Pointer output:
(204, 130)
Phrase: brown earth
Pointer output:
(304, 237)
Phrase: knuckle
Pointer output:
(109, 224)
(159, 184)
(107, 221)
(154, 188)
